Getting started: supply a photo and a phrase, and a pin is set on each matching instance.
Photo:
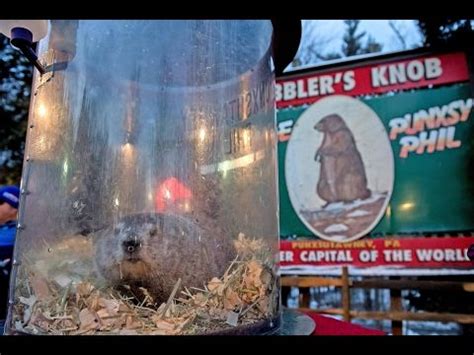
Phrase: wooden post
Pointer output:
(304, 297)
(396, 306)
(285, 292)
(346, 295)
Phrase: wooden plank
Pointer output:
(414, 284)
(332, 311)
(400, 316)
(415, 316)
(346, 294)
(310, 281)
(468, 286)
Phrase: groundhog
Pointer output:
(342, 175)
(154, 250)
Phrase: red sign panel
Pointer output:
(422, 253)
(372, 79)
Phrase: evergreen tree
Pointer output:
(352, 40)
(372, 46)
(439, 32)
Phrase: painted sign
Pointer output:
(370, 79)
(391, 165)
(382, 256)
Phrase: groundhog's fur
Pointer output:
(169, 247)
(342, 175)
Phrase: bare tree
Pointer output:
(313, 47)
(396, 28)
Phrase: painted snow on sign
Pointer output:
(336, 228)
(358, 213)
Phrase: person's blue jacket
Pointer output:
(7, 239)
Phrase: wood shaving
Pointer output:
(241, 296)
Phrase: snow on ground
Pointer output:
(336, 228)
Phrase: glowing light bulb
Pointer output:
(202, 134)
(246, 136)
(65, 167)
(407, 206)
(42, 110)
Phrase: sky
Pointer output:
(332, 31)
(382, 32)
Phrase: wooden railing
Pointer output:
(396, 313)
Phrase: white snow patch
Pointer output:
(336, 228)
(334, 206)
(347, 206)
(358, 213)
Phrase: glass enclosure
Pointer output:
(149, 193)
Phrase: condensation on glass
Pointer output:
(149, 200)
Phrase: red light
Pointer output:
(170, 192)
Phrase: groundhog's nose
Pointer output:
(131, 245)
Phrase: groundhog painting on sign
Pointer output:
(342, 175)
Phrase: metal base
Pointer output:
(289, 322)
(295, 323)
